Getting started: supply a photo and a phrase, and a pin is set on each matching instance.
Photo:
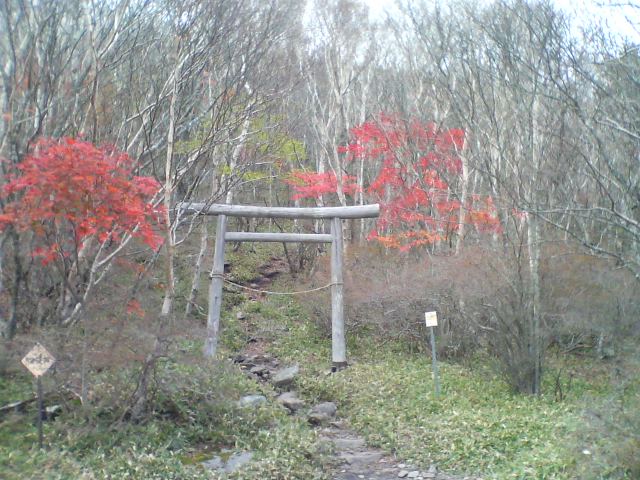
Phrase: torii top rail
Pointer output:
(335, 214)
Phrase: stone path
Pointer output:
(351, 458)
(354, 460)
(267, 273)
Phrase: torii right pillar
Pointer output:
(338, 341)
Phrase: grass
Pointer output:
(477, 426)
(195, 417)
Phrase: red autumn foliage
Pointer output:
(419, 165)
(313, 185)
(69, 191)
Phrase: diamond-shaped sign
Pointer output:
(38, 360)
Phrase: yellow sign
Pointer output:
(38, 360)
(431, 319)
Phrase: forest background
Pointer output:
(502, 143)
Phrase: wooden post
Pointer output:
(434, 362)
(431, 321)
(277, 237)
(38, 361)
(40, 412)
(338, 343)
(215, 290)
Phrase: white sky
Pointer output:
(623, 21)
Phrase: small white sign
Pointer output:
(38, 360)
(431, 319)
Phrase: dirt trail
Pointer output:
(351, 458)
(267, 273)
(354, 460)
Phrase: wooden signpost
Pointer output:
(38, 361)
(334, 214)
(431, 321)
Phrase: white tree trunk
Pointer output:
(462, 219)
(169, 294)
(197, 269)
(533, 234)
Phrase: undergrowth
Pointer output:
(584, 426)
(191, 415)
(477, 426)
(195, 416)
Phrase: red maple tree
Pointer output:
(69, 192)
(76, 206)
(418, 169)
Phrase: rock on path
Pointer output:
(322, 413)
(290, 401)
(285, 376)
(352, 458)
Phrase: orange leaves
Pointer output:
(313, 185)
(71, 190)
(5, 219)
(419, 169)
(48, 254)
(134, 308)
(415, 159)
(405, 241)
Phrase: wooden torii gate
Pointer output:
(335, 214)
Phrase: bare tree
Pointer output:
(600, 207)
(499, 67)
(174, 83)
(337, 74)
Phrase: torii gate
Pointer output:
(335, 214)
